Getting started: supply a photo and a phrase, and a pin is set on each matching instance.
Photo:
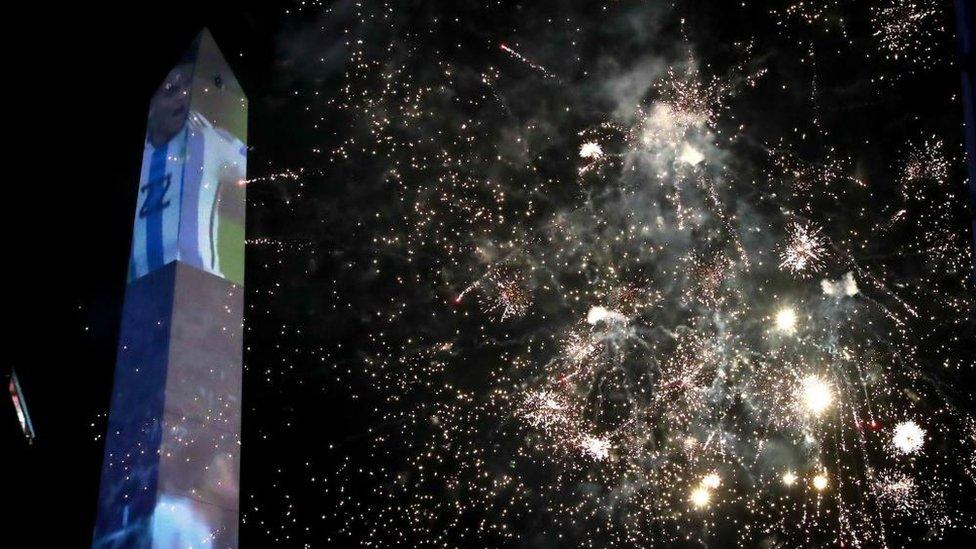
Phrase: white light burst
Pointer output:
(599, 314)
(789, 478)
(804, 250)
(816, 395)
(908, 437)
(690, 155)
(591, 150)
(700, 497)
(786, 320)
(597, 448)
(711, 481)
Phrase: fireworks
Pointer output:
(535, 66)
(711, 481)
(579, 347)
(786, 320)
(546, 410)
(507, 294)
(815, 395)
(846, 286)
(925, 161)
(596, 448)
(899, 492)
(908, 29)
(700, 497)
(597, 315)
(908, 437)
(592, 154)
(690, 155)
(806, 177)
(591, 150)
(648, 363)
(789, 478)
(804, 250)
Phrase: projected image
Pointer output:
(191, 198)
(172, 450)
(172, 457)
(196, 482)
(131, 471)
(199, 462)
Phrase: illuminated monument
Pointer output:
(172, 451)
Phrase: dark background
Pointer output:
(82, 82)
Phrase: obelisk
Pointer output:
(172, 451)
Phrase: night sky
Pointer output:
(544, 274)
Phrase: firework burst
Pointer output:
(909, 30)
(804, 251)
(668, 370)
(506, 294)
(907, 438)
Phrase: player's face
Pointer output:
(170, 105)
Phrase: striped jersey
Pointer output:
(186, 190)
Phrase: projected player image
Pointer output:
(190, 204)
(172, 451)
